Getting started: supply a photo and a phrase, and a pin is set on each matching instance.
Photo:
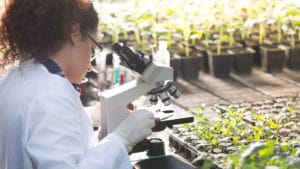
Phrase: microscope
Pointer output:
(153, 80)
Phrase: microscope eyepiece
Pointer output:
(131, 58)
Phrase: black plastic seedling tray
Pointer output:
(183, 147)
(188, 151)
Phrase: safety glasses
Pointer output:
(97, 48)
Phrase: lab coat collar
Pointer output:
(52, 67)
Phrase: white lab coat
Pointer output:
(43, 125)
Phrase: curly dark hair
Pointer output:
(39, 28)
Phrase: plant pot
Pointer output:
(220, 65)
(204, 63)
(293, 58)
(274, 42)
(175, 63)
(190, 67)
(243, 60)
(256, 47)
(272, 58)
(203, 50)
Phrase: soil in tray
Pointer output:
(270, 119)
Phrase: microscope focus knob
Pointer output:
(156, 147)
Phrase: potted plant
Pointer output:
(293, 50)
(272, 58)
(243, 60)
(244, 56)
(292, 53)
(190, 59)
(205, 27)
(255, 21)
(220, 60)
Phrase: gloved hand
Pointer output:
(136, 127)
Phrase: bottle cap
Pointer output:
(162, 45)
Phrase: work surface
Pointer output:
(259, 85)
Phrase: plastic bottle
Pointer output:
(116, 65)
(162, 55)
(101, 67)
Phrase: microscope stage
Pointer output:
(171, 115)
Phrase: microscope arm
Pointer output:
(114, 103)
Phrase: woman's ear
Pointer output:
(75, 34)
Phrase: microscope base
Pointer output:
(163, 162)
(169, 160)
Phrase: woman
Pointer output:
(42, 121)
(2, 70)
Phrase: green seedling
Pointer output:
(186, 31)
